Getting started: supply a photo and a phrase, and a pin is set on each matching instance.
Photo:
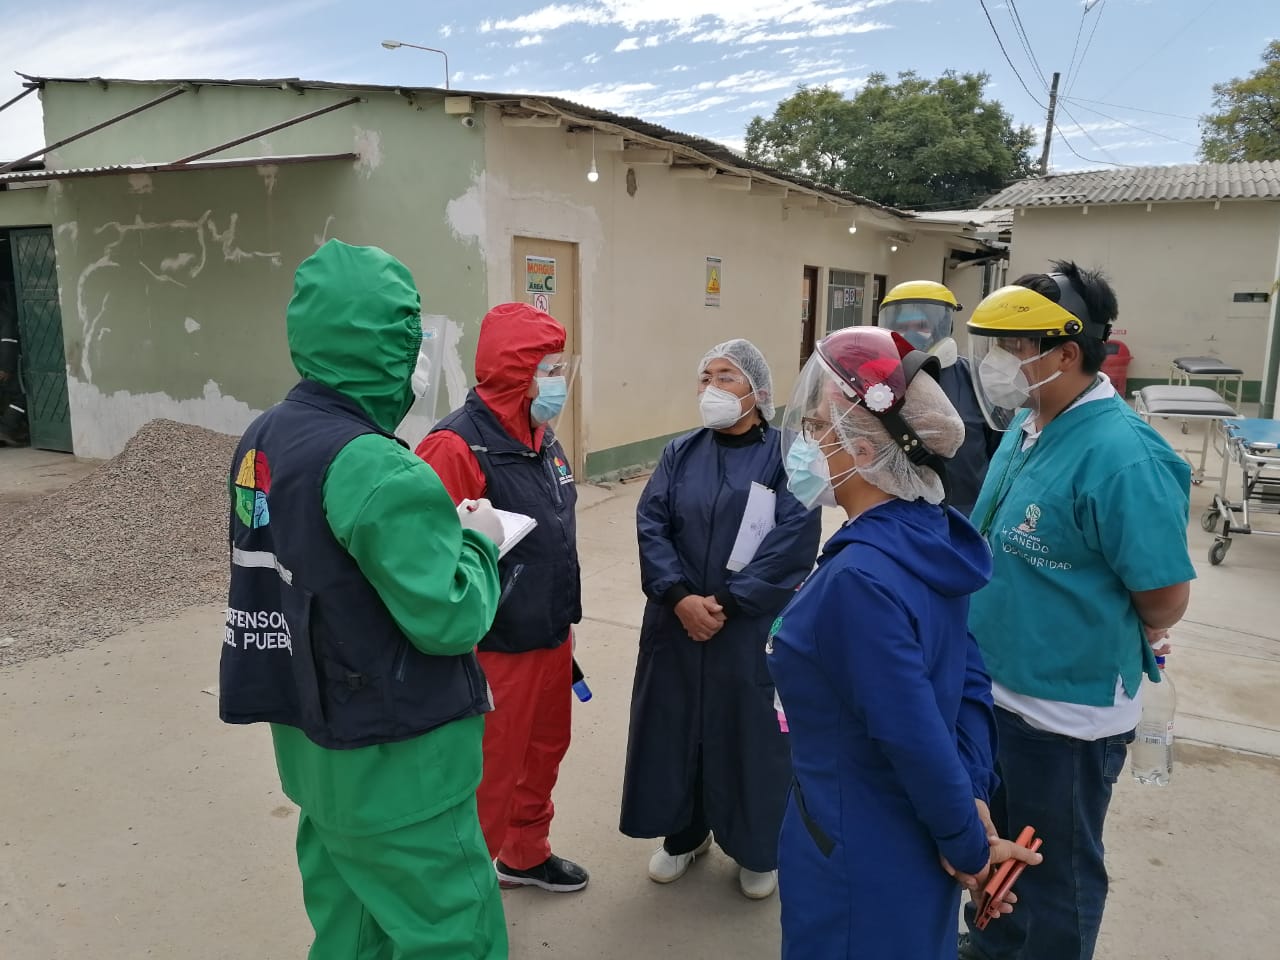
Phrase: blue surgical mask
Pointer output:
(552, 393)
(808, 476)
(917, 338)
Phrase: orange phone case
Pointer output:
(1003, 880)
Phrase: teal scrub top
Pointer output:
(1095, 510)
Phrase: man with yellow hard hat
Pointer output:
(923, 312)
(1085, 508)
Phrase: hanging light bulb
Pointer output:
(893, 248)
(593, 174)
(853, 227)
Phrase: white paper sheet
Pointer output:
(757, 521)
(515, 527)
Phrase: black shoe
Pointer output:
(554, 874)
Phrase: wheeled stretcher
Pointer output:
(1185, 369)
(1188, 404)
(1254, 446)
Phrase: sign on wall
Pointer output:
(714, 270)
(540, 275)
(541, 302)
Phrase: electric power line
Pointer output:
(1089, 136)
(1134, 126)
(1075, 47)
(1158, 50)
(1071, 82)
(1006, 57)
(1063, 137)
(1021, 31)
(1120, 106)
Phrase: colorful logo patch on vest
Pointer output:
(253, 483)
(562, 470)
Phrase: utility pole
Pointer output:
(1048, 127)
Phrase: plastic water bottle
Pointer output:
(580, 687)
(1153, 745)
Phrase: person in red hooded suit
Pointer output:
(499, 445)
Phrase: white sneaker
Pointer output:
(668, 868)
(757, 886)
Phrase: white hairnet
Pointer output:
(930, 414)
(744, 355)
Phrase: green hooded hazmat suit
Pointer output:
(393, 862)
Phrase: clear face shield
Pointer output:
(428, 369)
(553, 380)
(923, 324)
(1006, 375)
(858, 366)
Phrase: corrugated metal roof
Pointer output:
(1258, 180)
(122, 169)
(709, 149)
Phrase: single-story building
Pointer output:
(166, 219)
(1193, 252)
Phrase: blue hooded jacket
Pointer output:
(892, 735)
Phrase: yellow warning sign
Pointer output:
(714, 269)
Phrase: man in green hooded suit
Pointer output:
(357, 597)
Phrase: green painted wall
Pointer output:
(173, 281)
(24, 207)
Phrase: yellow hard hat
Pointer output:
(1016, 311)
(921, 291)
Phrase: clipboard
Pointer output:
(758, 519)
(515, 527)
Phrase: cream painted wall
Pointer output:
(644, 323)
(1174, 270)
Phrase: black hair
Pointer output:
(1098, 296)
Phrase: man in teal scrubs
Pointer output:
(1085, 507)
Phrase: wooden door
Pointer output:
(808, 313)
(546, 275)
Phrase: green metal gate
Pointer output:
(44, 362)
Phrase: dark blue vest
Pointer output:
(308, 640)
(541, 582)
(968, 468)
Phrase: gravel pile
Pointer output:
(140, 538)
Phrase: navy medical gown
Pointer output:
(892, 737)
(716, 695)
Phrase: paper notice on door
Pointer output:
(757, 521)
(515, 527)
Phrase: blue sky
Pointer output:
(1144, 68)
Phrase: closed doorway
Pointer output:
(808, 313)
(43, 365)
(546, 275)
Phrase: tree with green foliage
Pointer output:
(1245, 124)
(913, 143)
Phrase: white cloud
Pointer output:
(616, 97)
(165, 42)
(680, 68)
(482, 76)
(531, 41)
(631, 43)
(446, 31)
(739, 21)
(652, 41)
(591, 58)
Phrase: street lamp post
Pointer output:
(397, 44)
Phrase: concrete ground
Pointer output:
(26, 473)
(134, 824)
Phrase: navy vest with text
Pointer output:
(308, 641)
(541, 582)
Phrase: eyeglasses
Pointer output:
(721, 380)
(557, 369)
(814, 429)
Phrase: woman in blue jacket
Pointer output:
(705, 755)
(885, 694)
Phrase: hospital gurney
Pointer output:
(1185, 369)
(1253, 445)
(1186, 404)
